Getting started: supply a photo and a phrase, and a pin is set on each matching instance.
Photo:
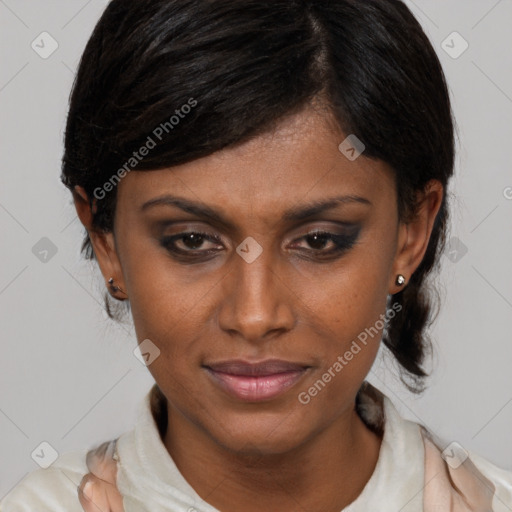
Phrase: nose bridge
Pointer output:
(257, 303)
(256, 278)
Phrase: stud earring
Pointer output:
(113, 287)
(400, 280)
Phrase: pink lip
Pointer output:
(255, 382)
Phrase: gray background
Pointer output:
(68, 375)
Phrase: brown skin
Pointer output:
(278, 455)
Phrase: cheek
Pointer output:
(348, 309)
(167, 311)
(163, 294)
(172, 307)
(351, 295)
(350, 328)
(167, 315)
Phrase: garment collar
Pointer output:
(148, 475)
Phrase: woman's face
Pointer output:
(257, 286)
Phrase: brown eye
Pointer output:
(339, 243)
(192, 240)
(189, 243)
(317, 240)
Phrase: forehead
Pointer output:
(298, 161)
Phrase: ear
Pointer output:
(414, 235)
(102, 242)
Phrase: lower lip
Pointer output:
(256, 388)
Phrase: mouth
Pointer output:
(256, 382)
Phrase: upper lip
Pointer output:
(266, 367)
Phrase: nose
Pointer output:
(256, 303)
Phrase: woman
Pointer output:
(263, 185)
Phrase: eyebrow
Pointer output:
(296, 213)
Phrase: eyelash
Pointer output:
(342, 244)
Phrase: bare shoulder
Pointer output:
(49, 490)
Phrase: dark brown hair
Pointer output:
(247, 65)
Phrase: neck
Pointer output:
(325, 473)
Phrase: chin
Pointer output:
(264, 434)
